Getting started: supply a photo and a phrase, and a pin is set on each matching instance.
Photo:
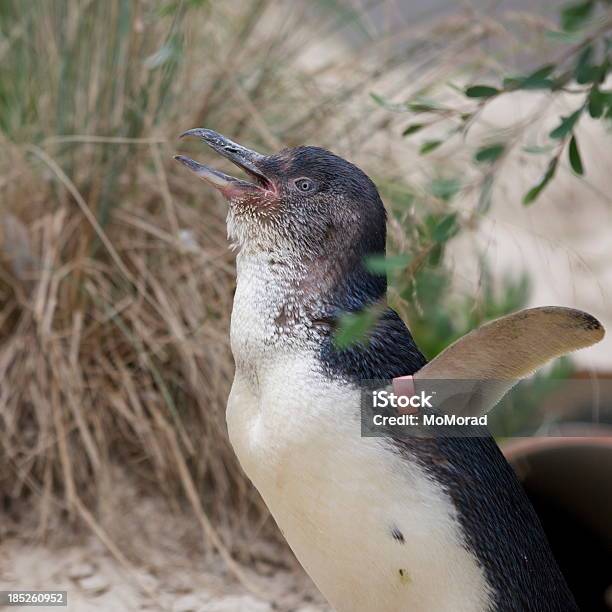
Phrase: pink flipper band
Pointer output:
(404, 385)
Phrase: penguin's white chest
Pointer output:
(370, 527)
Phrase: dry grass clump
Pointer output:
(115, 278)
(115, 289)
(114, 346)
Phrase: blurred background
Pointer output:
(486, 126)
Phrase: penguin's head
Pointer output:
(303, 201)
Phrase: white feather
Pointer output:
(337, 496)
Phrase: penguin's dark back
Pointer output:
(499, 524)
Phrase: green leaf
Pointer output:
(567, 125)
(378, 99)
(481, 91)
(387, 105)
(574, 156)
(574, 15)
(585, 71)
(445, 188)
(423, 106)
(570, 38)
(379, 264)
(486, 194)
(446, 228)
(413, 128)
(542, 72)
(537, 149)
(429, 146)
(561, 81)
(435, 254)
(598, 102)
(535, 191)
(536, 80)
(354, 327)
(490, 153)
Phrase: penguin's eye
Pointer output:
(305, 185)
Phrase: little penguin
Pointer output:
(430, 524)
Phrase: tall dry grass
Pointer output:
(115, 280)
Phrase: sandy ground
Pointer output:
(96, 582)
(154, 558)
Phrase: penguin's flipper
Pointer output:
(498, 354)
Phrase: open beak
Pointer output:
(250, 161)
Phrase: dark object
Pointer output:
(569, 482)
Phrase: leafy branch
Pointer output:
(581, 69)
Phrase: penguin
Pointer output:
(380, 524)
